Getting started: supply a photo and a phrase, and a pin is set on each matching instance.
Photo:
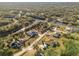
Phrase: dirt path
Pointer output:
(29, 47)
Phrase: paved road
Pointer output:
(23, 29)
(29, 47)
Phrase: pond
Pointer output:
(5, 33)
(4, 23)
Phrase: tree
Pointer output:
(71, 48)
(5, 52)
